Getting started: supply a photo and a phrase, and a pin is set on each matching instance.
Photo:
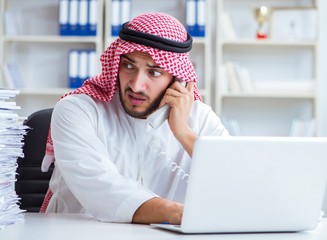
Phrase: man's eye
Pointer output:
(128, 66)
(155, 73)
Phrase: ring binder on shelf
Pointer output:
(115, 17)
(196, 17)
(93, 18)
(191, 17)
(73, 17)
(121, 13)
(78, 17)
(73, 62)
(125, 11)
(83, 18)
(63, 17)
(200, 18)
(92, 63)
(83, 66)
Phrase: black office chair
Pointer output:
(32, 184)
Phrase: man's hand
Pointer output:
(159, 210)
(181, 99)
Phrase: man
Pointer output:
(109, 162)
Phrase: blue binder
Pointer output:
(83, 18)
(83, 66)
(73, 69)
(115, 17)
(200, 18)
(191, 17)
(92, 63)
(63, 17)
(73, 17)
(92, 17)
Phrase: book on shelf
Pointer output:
(303, 127)
(78, 17)
(238, 78)
(196, 17)
(120, 13)
(81, 66)
(12, 76)
(232, 79)
(11, 23)
(12, 131)
(223, 86)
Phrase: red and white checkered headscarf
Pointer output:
(105, 85)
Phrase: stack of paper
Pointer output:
(12, 131)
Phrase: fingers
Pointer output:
(179, 87)
(190, 87)
(178, 94)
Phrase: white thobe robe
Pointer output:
(108, 163)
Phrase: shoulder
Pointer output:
(76, 107)
(84, 106)
(75, 100)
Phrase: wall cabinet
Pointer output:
(278, 79)
(40, 53)
(266, 86)
(32, 43)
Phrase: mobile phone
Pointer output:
(157, 118)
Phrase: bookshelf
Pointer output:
(201, 53)
(286, 72)
(39, 51)
(265, 85)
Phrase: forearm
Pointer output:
(159, 210)
(187, 138)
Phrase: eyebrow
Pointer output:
(133, 61)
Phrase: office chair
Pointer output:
(32, 184)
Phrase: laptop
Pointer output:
(254, 184)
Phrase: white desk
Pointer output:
(79, 227)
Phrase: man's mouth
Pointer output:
(136, 99)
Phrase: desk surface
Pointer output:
(79, 227)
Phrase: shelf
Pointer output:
(264, 84)
(309, 95)
(50, 39)
(45, 91)
(269, 42)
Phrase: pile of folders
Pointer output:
(78, 17)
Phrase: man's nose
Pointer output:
(138, 83)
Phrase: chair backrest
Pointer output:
(32, 184)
